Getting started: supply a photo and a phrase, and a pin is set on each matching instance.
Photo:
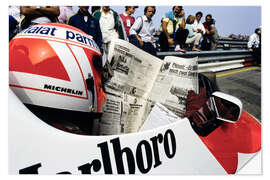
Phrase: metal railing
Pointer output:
(216, 61)
(210, 56)
(232, 44)
(230, 53)
(239, 42)
(223, 43)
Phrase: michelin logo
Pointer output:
(63, 89)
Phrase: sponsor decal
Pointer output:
(61, 33)
(62, 89)
(42, 30)
(142, 158)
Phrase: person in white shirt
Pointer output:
(141, 32)
(110, 26)
(197, 25)
(254, 45)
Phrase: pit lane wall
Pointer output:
(37, 148)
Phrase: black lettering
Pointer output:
(144, 156)
(118, 153)
(90, 42)
(80, 93)
(64, 90)
(45, 30)
(47, 86)
(166, 143)
(31, 169)
(57, 88)
(33, 30)
(38, 29)
(52, 32)
(79, 38)
(86, 168)
(84, 39)
(70, 35)
(73, 91)
(139, 156)
(155, 140)
(25, 30)
(64, 172)
(106, 160)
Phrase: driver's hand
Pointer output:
(195, 101)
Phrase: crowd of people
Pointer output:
(184, 33)
(177, 31)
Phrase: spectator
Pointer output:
(87, 23)
(210, 38)
(215, 36)
(141, 33)
(14, 19)
(110, 26)
(38, 14)
(197, 25)
(254, 45)
(94, 8)
(194, 36)
(127, 19)
(181, 33)
(173, 30)
(65, 13)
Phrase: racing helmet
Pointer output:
(56, 67)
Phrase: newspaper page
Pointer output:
(110, 122)
(123, 113)
(134, 70)
(135, 113)
(176, 77)
(134, 73)
(140, 80)
(159, 116)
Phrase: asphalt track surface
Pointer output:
(245, 84)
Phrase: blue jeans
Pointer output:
(147, 46)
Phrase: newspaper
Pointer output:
(135, 113)
(110, 122)
(139, 81)
(134, 70)
(123, 114)
(159, 116)
(176, 77)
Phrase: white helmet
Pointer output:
(56, 66)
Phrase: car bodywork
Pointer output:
(38, 148)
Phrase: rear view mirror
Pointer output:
(228, 108)
(218, 108)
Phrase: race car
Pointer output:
(55, 80)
